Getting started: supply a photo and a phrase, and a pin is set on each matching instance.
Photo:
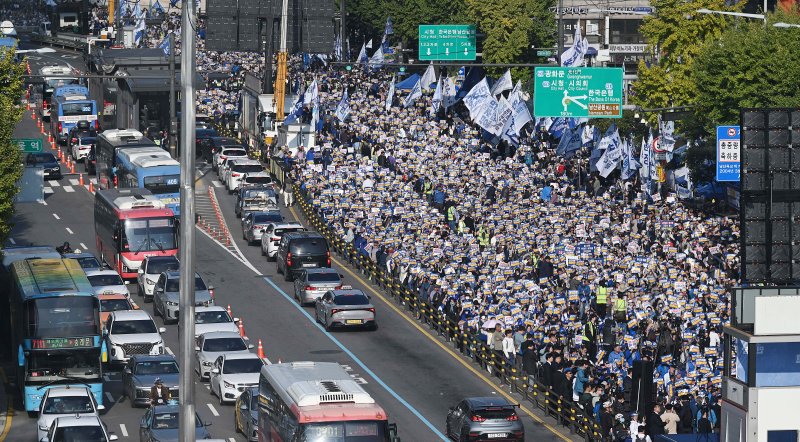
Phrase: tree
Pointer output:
(676, 34)
(749, 66)
(11, 89)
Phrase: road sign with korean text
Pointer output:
(728, 153)
(29, 145)
(447, 42)
(577, 92)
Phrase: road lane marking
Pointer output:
(216, 183)
(169, 351)
(447, 349)
(68, 189)
(48, 189)
(123, 429)
(70, 231)
(106, 377)
(213, 410)
(11, 240)
(358, 361)
(74, 182)
(109, 397)
(55, 183)
(56, 216)
(83, 246)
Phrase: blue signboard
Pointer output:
(728, 153)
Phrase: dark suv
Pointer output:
(484, 419)
(301, 250)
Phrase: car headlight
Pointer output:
(206, 363)
(150, 281)
(228, 384)
(174, 304)
(43, 427)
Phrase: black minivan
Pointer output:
(301, 250)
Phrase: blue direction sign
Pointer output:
(728, 153)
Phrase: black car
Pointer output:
(90, 161)
(46, 161)
(82, 129)
(301, 250)
(203, 143)
(484, 419)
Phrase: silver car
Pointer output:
(310, 284)
(107, 282)
(166, 295)
(345, 309)
(212, 345)
(484, 418)
(141, 373)
(253, 224)
(271, 237)
(213, 319)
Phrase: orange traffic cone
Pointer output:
(241, 327)
(81, 178)
(72, 168)
(260, 350)
(229, 311)
(91, 186)
(279, 361)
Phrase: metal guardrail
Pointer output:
(64, 43)
(566, 412)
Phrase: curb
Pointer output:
(6, 408)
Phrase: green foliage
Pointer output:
(676, 34)
(749, 66)
(627, 125)
(700, 160)
(11, 89)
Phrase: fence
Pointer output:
(466, 341)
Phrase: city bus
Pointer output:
(71, 104)
(310, 401)
(55, 323)
(109, 142)
(53, 76)
(153, 169)
(131, 224)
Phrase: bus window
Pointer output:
(149, 235)
(162, 184)
(76, 109)
(62, 316)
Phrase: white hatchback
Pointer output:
(65, 401)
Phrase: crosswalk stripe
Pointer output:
(216, 183)
(48, 190)
(68, 189)
(74, 182)
(55, 183)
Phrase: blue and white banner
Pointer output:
(343, 108)
(337, 48)
(449, 92)
(362, 55)
(573, 56)
(522, 115)
(503, 83)
(312, 93)
(667, 129)
(390, 96)
(428, 78)
(629, 163)
(389, 28)
(157, 7)
(415, 93)
(377, 59)
(557, 127)
(436, 101)
(369, 44)
(477, 98)
(297, 110)
(488, 114)
(613, 151)
(164, 46)
(644, 158)
(569, 143)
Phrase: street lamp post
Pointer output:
(738, 14)
(781, 24)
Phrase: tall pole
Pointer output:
(173, 123)
(280, 79)
(560, 30)
(342, 29)
(118, 38)
(186, 426)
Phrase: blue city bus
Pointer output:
(69, 105)
(55, 326)
(153, 169)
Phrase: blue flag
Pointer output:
(297, 110)
(570, 143)
(157, 7)
(164, 46)
(173, 3)
(558, 127)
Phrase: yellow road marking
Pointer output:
(9, 410)
(447, 349)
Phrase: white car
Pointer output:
(65, 401)
(107, 282)
(272, 234)
(80, 147)
(78, 428)
(132, 332)
(237, 169)
(213, 319)
(151, 269)
(212, 345)
(255, 179)
(233, 152)
(234, 373)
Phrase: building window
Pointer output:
(626, 31)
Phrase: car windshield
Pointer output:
(113, 305)
(224, 344)
(68, 405)
(173, 286)
(103, 280)
(262, 218)
(156, 367)
(234, 153)
(280, 232)
(169, 421)
(258, 180)
(351, 299)
(88, 433)
(89, 262)
(495, 413)
(87, 140)
(215, 317)
(41, 158)
(157, 267)
(134, 327)
(234, 366)
(323, 277)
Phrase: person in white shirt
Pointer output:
(713, 338)
(508, 347)
(634, 428)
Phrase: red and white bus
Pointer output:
(131, 224)
(313, 401)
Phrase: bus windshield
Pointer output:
(162, 184)
(62, 316)
(72, 109)
(142, 235)
(354, 431)
(49, 365)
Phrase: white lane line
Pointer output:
(48, 189)
(56, 216)
(230, 439)
(123, 429)
(68, 189)
(213, 410)
(74, 182)
(83, 246)
(55, 183)
(11, 240)
(169, 351)
(216, 183)
(107, 378)
(109, 397)
(43, 202)
(70, 231)
(208, 387)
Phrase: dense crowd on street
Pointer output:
(23, 13)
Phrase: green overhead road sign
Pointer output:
(446, 42)
(577, 92)
(544, 53)
(29, 145)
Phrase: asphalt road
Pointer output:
(412, 374)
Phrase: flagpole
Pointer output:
(560, 29)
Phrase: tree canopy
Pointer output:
(11, 89)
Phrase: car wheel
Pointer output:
(287, 275)
(219, 395)
(374, 327)
(236, 425)
(278, 267)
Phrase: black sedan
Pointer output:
(47, 161)
(141, 373)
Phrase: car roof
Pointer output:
(170, 258)
(69, 390)
(78, 421)
(175, 274)
(130, 315)
(323, 270)
(265, 212)
(296, 235)
(244, 161)
(347, 292)
(240, 355)
(213, 308)
(105, 296)
(221, 334)
(284, 225)
(157, 358)
(262, 173)
(486, 402)
(101, 272)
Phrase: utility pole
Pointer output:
(280, 80)
(342, 29)
(173, 123)
(186, 427)
(560, 31)
(119, 39)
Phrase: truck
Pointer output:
(257, 126)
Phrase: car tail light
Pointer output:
(275, 238)
(45, 104)
(59, 127)
(211, 292)
(513, 417)
(223, 157)
(74, 140)
(338, 287)
(335, 311)
(329, 259)
(234, 174)
(371, 310)
(96, 125)
(289, 259)
(308, 287)
(476, 418)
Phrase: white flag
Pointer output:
(587, 134)
(522, 115)
(377, 59)
(448, 92)
(311, 93)
(488, 113)
(667, 139)
(362, 55)
(343, 109)
(502, 117)
(416, 92)
(428, 78)
(436, 101)
(369, 44)
(390, 96)
(476, 98)
(644, 159)
(573, 56)
(503, 83)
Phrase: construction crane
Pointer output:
(280, 79)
